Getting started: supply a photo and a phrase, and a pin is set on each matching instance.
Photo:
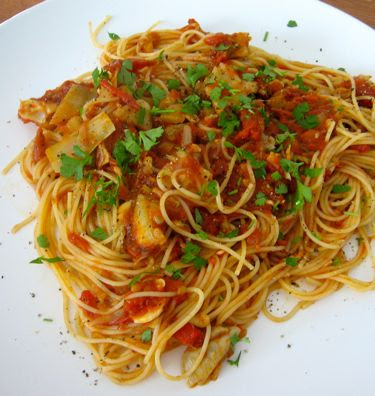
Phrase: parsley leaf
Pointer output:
(148, 138)
(300, 83)
(99, 75)
(308, 121)
(176, 273)
(276, 176)
(146, 335)
(99, 234)
(194, 73)
(113, 36)
(248, 77)
(261, 199)
(229, 122)
(192, 104)
(141, 116)
(313, 172)
(211, 135)
(105, 196)
(291, 167)
(198, 216)
(212, 188)
(125, 76)
(222, 47)
(173, 84)
(303, 194)
(191, 252)
(340, 188)
(157, 94)
(43, 241)
(235, 362)
(281, 189)
(39, 260)
(73, 166)
(291, 261)
(336, 261)
(230, 234)
(235, 339)
(292, 23)
(265, 37)
(202, 234)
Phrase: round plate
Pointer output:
(327, 349)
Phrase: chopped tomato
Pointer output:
(122, 95)
(218, 38)
(139, 64)
(192, 25)
(140, 306)
(78, 241)
(172, 285)
(313, 139)
(89, 299)
(190, 335)
(39, 147)
(252, 128)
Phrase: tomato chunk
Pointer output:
(89, 299)
(190, 335)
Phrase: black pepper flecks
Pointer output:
(32, 295)
(289, 345)
(74, 352)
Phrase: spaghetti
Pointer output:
(187, 179)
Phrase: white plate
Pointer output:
(332, 344)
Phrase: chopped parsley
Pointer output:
(233, 192)
(173, 84)
(229, 122)
(292, 23)
(141, 116)
(313, 172)
(340, 188)
(125, 76)
(194, 73)
(212, 188)
(192, 104)
(291, 167)
(235, 362)
(43, 241)
(146, 335)
(157, 93)
(191, 254)
(198, 216)
(73, 166)
(235, 339)
(300, 83)
(202, 234)
(99, 233)
(306, 121)
(265, 37)
(248, 77)
(261, 199)
(113, 36)
(222, 47)
(336, 261)
(303, 194)
(175, 273)
(105, 195)
(230, 234)
(211, 135)
(157, 111)
(291, 261)
(99, 75)
(281, 189)
(39, 260)
(276, 176)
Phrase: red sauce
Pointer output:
(78, 241)
(362, 148)
(89, 299)
(252, 128)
